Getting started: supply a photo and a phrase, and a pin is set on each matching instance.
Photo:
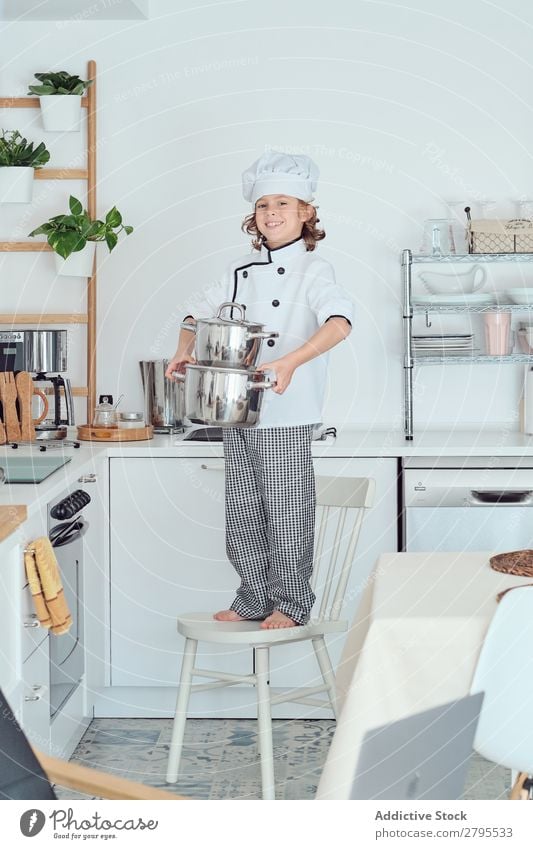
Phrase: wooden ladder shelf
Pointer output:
(88, 174)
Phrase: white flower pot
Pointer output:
(16, 184)
(78, 264)
(61, 112)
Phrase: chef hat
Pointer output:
(276, 173)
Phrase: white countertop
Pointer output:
(350, 442)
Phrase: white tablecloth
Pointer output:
(413, 645)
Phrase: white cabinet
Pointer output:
(167, 555)
(35, 697)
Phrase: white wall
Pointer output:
(402, 108)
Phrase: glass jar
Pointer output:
(105, 415)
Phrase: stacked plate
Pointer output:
(444, 344)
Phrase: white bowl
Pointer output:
(520, 296)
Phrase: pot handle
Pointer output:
(178, 376)
(260, 384)
(44, 413)
(186, 326)
(262, 334)
(232, 306)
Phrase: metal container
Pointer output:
(228, 342)
(223, 397)
(45, 351)
(163, 398)
(131, 420)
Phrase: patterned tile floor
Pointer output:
(220, 758)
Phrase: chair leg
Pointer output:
(180, 716)
(264, 717)
(324, 662)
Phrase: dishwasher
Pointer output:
(479, 504)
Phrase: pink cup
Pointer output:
(497, 333)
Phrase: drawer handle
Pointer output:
(33, 624)
(87, 478)
(213, 467)
(38, 690)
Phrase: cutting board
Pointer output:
(114, 434)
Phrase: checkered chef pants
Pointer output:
(270, 519)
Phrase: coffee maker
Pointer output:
(42, 352)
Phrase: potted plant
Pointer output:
(60, 96)
(73, 237)
(18, 161)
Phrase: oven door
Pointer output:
(468, 509)
(67, 662)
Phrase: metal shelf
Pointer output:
(466, 308)
(408, 259)
(485, 359)
(462, 258)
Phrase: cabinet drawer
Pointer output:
(32, 632)
(35, 697)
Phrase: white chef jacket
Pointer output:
(292, 291)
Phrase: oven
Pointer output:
(66, 528)
(479, 504)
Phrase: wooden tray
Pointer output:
(114, 434)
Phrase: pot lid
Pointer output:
(230, 307)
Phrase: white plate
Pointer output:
(455, 300)
(520, 296)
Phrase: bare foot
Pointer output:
(228, 616)
(278, 620)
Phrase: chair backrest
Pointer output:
(505, 672)
(21, 774)
(341, 506)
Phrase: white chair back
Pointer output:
(341, 504)
(505, 672)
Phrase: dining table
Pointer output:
(413, 645)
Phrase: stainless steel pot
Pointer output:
(45, 351)
(163, 398)
(227, 342)
(223, 397)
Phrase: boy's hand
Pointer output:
(178, 364)
(284, 369)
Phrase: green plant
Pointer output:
(67, 234)
(59, 82)
(14, 150)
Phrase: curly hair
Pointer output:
(311, 234)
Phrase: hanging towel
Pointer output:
(46, 588)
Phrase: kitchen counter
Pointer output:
(350, 442)
(354, 442)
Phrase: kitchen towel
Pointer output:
(42, 571)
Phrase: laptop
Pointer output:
(424, 756)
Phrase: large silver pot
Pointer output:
(223, 397)
(163, 398)
(227, 342)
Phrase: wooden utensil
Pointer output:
(8, 396)
(24, 384)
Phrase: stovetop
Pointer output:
(31, 469)
(214, 434)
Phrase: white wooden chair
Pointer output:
(336, 498)
(505, 672)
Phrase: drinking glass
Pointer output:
(457, 216)
(438, 237)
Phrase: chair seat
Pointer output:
(202, 626)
